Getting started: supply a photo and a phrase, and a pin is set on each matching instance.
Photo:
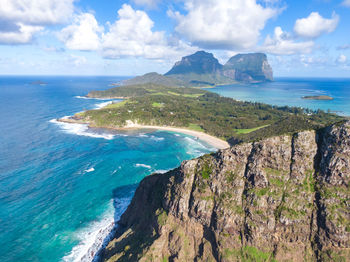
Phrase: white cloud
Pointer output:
(132, 35)
(224, 24)
(315, 25)
(21, 19)
(147, 3)
(346, 3)
(36, 12)
(341, 59)
(22, 35)
(283, 44)
(83, 34)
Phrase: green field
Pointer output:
(248, 130)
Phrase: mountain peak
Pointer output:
(249, 67)
(200, 62)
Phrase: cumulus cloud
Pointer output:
(132, 35)
(315, 25)
(21, 19)
(283, 43)
(83, 34)
(224, 24)
(22, 35)
(341, 59)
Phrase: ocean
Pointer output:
(63, 185)
(289, 91)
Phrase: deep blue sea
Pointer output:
(62, 185)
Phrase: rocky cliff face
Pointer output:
(248, 68)
(284, 198)
(200, 62)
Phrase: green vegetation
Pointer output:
(206, 171)
(156, 104)
(146, 89)
(195, 127)
(248, 130)
(162, 217)
(248, 253)
(199, 110)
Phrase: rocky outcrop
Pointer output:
(284, 198)
(200, 62)
(248, 68)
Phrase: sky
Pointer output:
(128, 38)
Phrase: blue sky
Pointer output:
(110, 37)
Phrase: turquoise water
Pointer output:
(288, 91)
(62, 185)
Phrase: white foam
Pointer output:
(157, 139)
(91, 98)
(90, 170)
(101, 105)
(97, 234)
(143, 165)
(80, 129)
(161, 171)
(195, 147)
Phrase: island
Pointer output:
(38, 82)
(147, 105)
(322, 97)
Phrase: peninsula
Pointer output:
(199, 110)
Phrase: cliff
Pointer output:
(249, 68)
(200, 62)
(284, 198)
(198, 69)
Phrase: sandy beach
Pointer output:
(211, 140)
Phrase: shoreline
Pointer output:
(209, 139)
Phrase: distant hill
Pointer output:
(154, 78)
(203, 69)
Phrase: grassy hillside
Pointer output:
(192, 108)
(144, 89)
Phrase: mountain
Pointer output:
(199, 69)
(248, 68)
(203, 69)
(200, 62)
(284, 198)
(154, 78)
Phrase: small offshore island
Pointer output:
(323, 97)
(279, 192)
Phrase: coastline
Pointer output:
(211, 140)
